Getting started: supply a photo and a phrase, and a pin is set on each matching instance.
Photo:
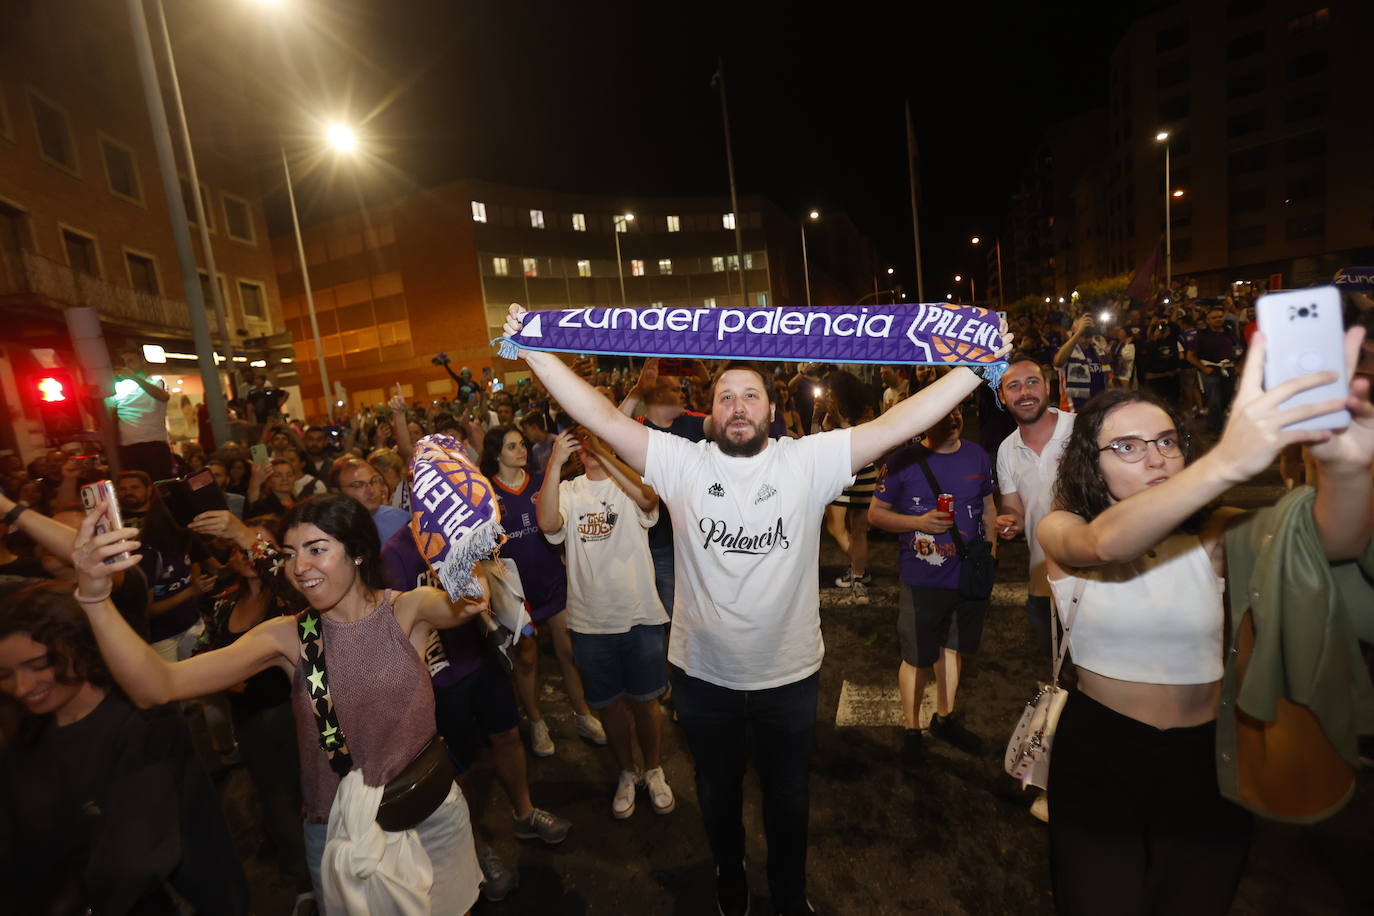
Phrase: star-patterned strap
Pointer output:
(332, 740)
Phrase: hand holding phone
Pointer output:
(1303, 334)
(259, 453)
(99, 500)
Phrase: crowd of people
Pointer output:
(662, 526)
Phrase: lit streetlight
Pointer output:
(1178, 192)
(812, 215)
(975, 240)
(997, 244)
(889, 271)
(341, 137)
(622, 224)
(1163, 137)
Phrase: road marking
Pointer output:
(862, 704)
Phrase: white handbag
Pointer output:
(1028, 751)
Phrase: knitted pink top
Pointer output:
(383, 699)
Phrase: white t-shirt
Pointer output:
(142, 417)
(610, 572)
(1032, 477)
(746, 542)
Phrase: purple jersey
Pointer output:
(451, 654)
(541, 569)
(931, 560)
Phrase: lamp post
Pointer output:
(972, 288)
(1001, 292)
(343, 140)
(1163, 137)
(622, 224)
(806, 269)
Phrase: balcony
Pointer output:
(23, 272)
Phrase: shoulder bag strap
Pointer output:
(1061, 648)
(332, 740)
(935, 489)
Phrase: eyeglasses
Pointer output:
(359, 485)
(1131, 449)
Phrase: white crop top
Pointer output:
(1154, 620)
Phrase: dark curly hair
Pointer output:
(346, 521)
(1080, 488)
(492, 443)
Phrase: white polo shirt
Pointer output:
(1021, 471)
(142, 417)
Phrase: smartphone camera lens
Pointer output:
(1302, 312)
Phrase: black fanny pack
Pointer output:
(418, 790)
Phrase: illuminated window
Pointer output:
(763, 300)
(636, 268)
(621, 224)
(718, 264)
(531, 266)
(500, 266)
(728, 220)
(537, 219)
(479, 212)
(733, 261)
(584, 268)
(748, 262)
(579, 222)
(674, 224)
(710, 303)
(665, 265)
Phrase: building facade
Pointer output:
(84, 220)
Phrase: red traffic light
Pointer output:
(51, 389)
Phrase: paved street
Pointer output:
(952, 838)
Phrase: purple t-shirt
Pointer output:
(927, 560)
(454, 653)
(542, 573)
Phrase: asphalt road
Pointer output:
(953, 837)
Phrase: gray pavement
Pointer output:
(953, 837)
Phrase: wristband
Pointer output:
(13, 515)
(76, 593)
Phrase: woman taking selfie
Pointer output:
(1136, 559)
(358, 688)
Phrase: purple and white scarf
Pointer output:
(454, 515)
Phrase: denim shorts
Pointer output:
(633, 664)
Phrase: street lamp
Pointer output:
(972, 288)
(806, 269)
(997, 244)
(1163, 137)
(342, 139)
(622, 224)
(889, 271)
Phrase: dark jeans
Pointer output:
(1217, 389)
(1039, 612)
(152, 458)
(663, 575)
(776, 727)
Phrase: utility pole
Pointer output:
(915, 219)
(719, 80)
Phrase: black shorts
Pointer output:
(481, 704)
(931, 619)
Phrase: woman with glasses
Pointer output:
(1135, 554)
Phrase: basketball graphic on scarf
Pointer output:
(949, 350)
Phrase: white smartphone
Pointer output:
(99, 499)
(1304, 334)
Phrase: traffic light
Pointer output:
(58, 406)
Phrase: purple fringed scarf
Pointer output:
(935, 333)
(454, 516)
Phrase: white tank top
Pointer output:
(1154, 620)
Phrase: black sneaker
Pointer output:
(951, 728)
(732, 891)
(913, 748)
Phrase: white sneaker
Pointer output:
(589, 727)
(623, 802)
(1040, 808)
(540, 742)
(660, 794)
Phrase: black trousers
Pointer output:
(776, 727)
(1137, 823)
(153, 458)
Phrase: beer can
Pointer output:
(945, 502)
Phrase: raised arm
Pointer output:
(55, 536)
(648, 378)
(546, 511)
(400, 426)
(909, 418)
(1253, 438)
(1080, 327)
(1344, 508)
(625, 477)
(583, 402)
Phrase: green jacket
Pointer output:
(1309, 615)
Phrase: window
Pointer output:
(54, 133)
(190, 203)
(1245, 46)
(749, 258)
(1307, 146)
(536, 219)
(762, 300)
(674, 224)
(1305, 226)
(1309, 64)
(621, 223)
(1306, 106)
(1238, 87)
(14, 228)
(1174, 109)
(479, 212)
(121, 171)
(1247, 123)
(728, 220)
(718, 264)
(530, 266)
(584, 268)
(732, 261)
(1306, 187)
(579, 222)
(1246, 237)
(142, 273)
(709, 303)
(636, 268)
(1172, 74)
(665, 265)
(500, 267)
(1175, 36)
(238, 222)
(81, 256)
(254, 302)
(1246, 199)
(1243, 162)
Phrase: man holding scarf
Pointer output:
(745, 650)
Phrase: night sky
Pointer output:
(615, 97)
